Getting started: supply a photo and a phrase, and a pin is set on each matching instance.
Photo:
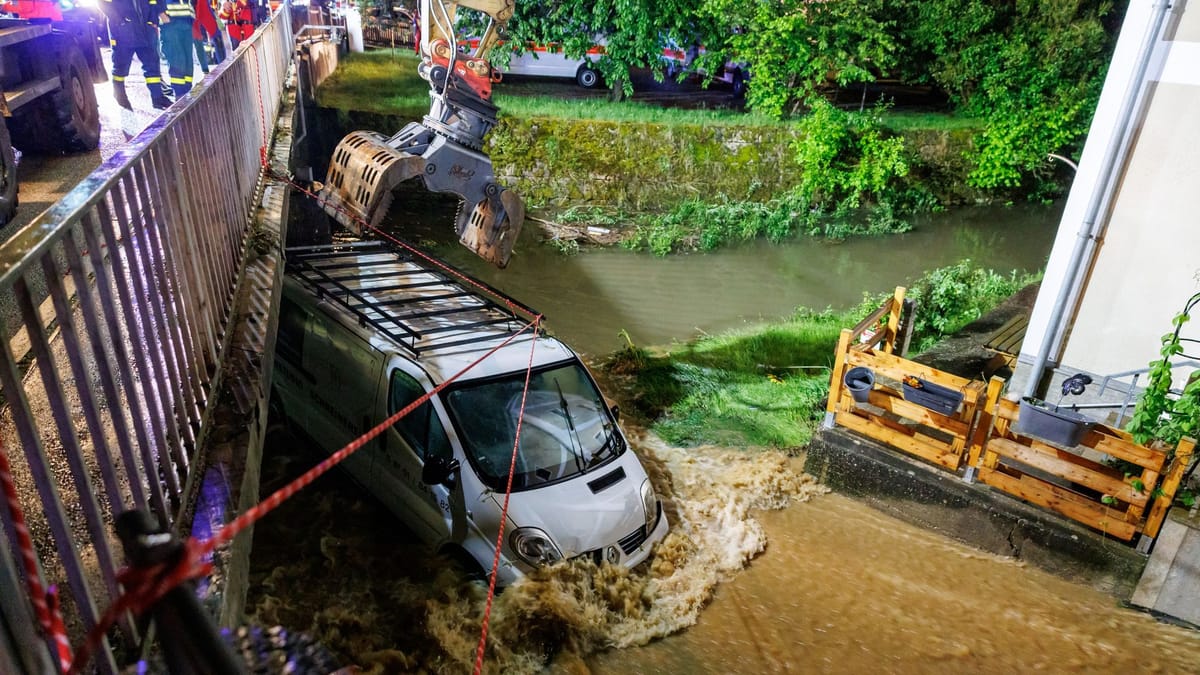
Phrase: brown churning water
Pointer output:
(762, 572)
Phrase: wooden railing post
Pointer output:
(893, 325)
(982, 430)
(1170, 485)
(835, 377)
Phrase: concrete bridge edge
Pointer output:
(971, 513)
(229, 457)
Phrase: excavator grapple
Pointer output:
(444, 149)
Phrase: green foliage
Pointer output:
(1161, 415)
(590, 215)
(949, 298)
(794, 50)
(1031, 70)
(849, 184)
(847, 163)
(633, 31)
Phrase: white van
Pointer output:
(367, 328)
(549, 61)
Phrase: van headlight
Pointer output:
(533, 546)
(649, 504)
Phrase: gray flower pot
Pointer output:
(1062, 427)
(859, 380)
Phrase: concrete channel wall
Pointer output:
(971, 513)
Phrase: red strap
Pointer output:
(512, 467)
(45, 603)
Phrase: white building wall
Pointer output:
(1147, 259)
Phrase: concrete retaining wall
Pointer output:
(553, 162)
(971, 513)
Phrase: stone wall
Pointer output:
(645, 167)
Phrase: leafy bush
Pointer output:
(849, 185)
(949, 298)
(1032, 70)
(1159, 415)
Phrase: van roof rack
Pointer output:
(420, 302)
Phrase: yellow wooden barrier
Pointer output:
(1066, 481)
(1170, 485)
(980, 435)
(887, 417)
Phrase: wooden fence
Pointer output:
(978, 438)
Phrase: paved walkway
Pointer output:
(118, 124)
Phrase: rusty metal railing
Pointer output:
(135, 271)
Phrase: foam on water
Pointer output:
(390, 620)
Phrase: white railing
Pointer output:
(133, 273)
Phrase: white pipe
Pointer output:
(1091, 228)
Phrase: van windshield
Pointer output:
(567, 429)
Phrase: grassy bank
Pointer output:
(766, 386)
(672, 179)
(386, 81)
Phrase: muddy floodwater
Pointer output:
(842, 588)
(764, 571)
(590, 297)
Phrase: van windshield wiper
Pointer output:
(576, 444)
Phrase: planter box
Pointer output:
(1063, 427)
(937, 398)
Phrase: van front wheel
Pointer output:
(587, 77)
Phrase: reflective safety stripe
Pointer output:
(185, 9)
(180, 80)
(151, 80)
(120, 78)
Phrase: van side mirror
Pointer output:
(439, 470)
(616, 412)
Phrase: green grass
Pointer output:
(912, 121)
(386, 81)
(383, 81)
(602, 109)
(765, 386)
(755, 387)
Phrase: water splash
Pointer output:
(388, 619)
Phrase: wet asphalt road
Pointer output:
(43, 179)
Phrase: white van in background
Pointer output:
(549, 61)
(367, 328)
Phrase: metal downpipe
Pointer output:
(1089, 231)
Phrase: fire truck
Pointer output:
(49, 63)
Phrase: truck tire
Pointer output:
(66, 120)
(8, 177)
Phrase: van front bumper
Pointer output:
(633, 548)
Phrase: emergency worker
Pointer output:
(33, 9)
(239, 18)
(204, 30)
(132, 32)
(176, 28)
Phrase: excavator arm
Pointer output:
(444, 149)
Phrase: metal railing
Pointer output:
(133, 272)
(1127, 393)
